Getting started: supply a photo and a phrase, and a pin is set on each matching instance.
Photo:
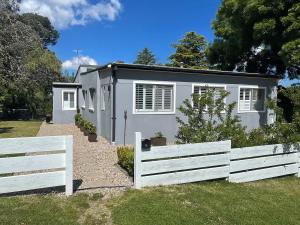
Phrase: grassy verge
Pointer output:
(52, 210)
(268, 202)
(9, 129)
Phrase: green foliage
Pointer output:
(90, 128)
(126, 158)
(257, 36)
(145, 57)
(159, 134)
(77, 117)
(27, 67)
(190, 52)
(209, 119)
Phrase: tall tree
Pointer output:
(27, 67)
(190, 52)
(145, 57)
(257, 36)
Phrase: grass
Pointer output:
(267, 202)
(52, 210)
(275, 202)
(9, 129)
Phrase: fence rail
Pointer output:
(187, 163)
(38, 156)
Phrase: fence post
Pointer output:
(137, 160)
(69, 165)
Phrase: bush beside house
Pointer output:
(126, 158)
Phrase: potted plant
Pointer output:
(82, 124)
(77, 118)
(159, 139)
(48, 117)
(91, 130)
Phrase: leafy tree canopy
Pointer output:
(145, 57)
(190, 52)
(257, 36)
(27, 67)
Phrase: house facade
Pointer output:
(121, 99)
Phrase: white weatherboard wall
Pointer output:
(261, 162)
(47, 158)
(179, 164)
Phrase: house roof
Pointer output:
(180, 70)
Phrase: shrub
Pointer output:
(206, 120)
(126, 158)
(90, 128)
(77, 117)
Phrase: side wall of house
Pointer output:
(105, 105)
(60, 115)
(149, 124)
(88, 110)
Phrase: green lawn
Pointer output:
(10, 129)
(270, 202)
(52, 210)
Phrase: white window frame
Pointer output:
(210, 85)
(251, 87)
(62, 99)
(84, 97)
(92, 101)
(134, 111)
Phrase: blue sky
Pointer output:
(155, 24)
(111, 30)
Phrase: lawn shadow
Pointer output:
(44, 191)
(4, 130)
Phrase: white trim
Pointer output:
(251, 87)
(92, 100)
(209, 85)
(154, 83)
(62, 98)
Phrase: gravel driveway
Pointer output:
(95, 164)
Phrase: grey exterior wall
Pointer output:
(60, 115)
(90, 81)
(106, 88)
(149, 124)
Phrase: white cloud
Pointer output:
(66, 13)
(73, 63)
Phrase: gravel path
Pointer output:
(95, 164)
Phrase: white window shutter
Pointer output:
(168, 96)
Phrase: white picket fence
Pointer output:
(38, 155)
(177, 164)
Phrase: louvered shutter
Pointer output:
(168, 96)
(148, 90)
(139, 97)
(158, 98)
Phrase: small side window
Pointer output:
(92, 93)
(69, 100)
(102, 98)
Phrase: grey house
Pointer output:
(121, 99)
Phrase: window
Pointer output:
(203, 88)
(252, 99)
(154, 98)
(92, 99)
(103, 98)
(84, 94)
(69, 100)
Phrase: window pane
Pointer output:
(247, 94)
(65, 96)
(196, 89)
(258, 101)
(168, 97)
(148, 97)
(72, 102)
(158, 98)
(139, 96)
